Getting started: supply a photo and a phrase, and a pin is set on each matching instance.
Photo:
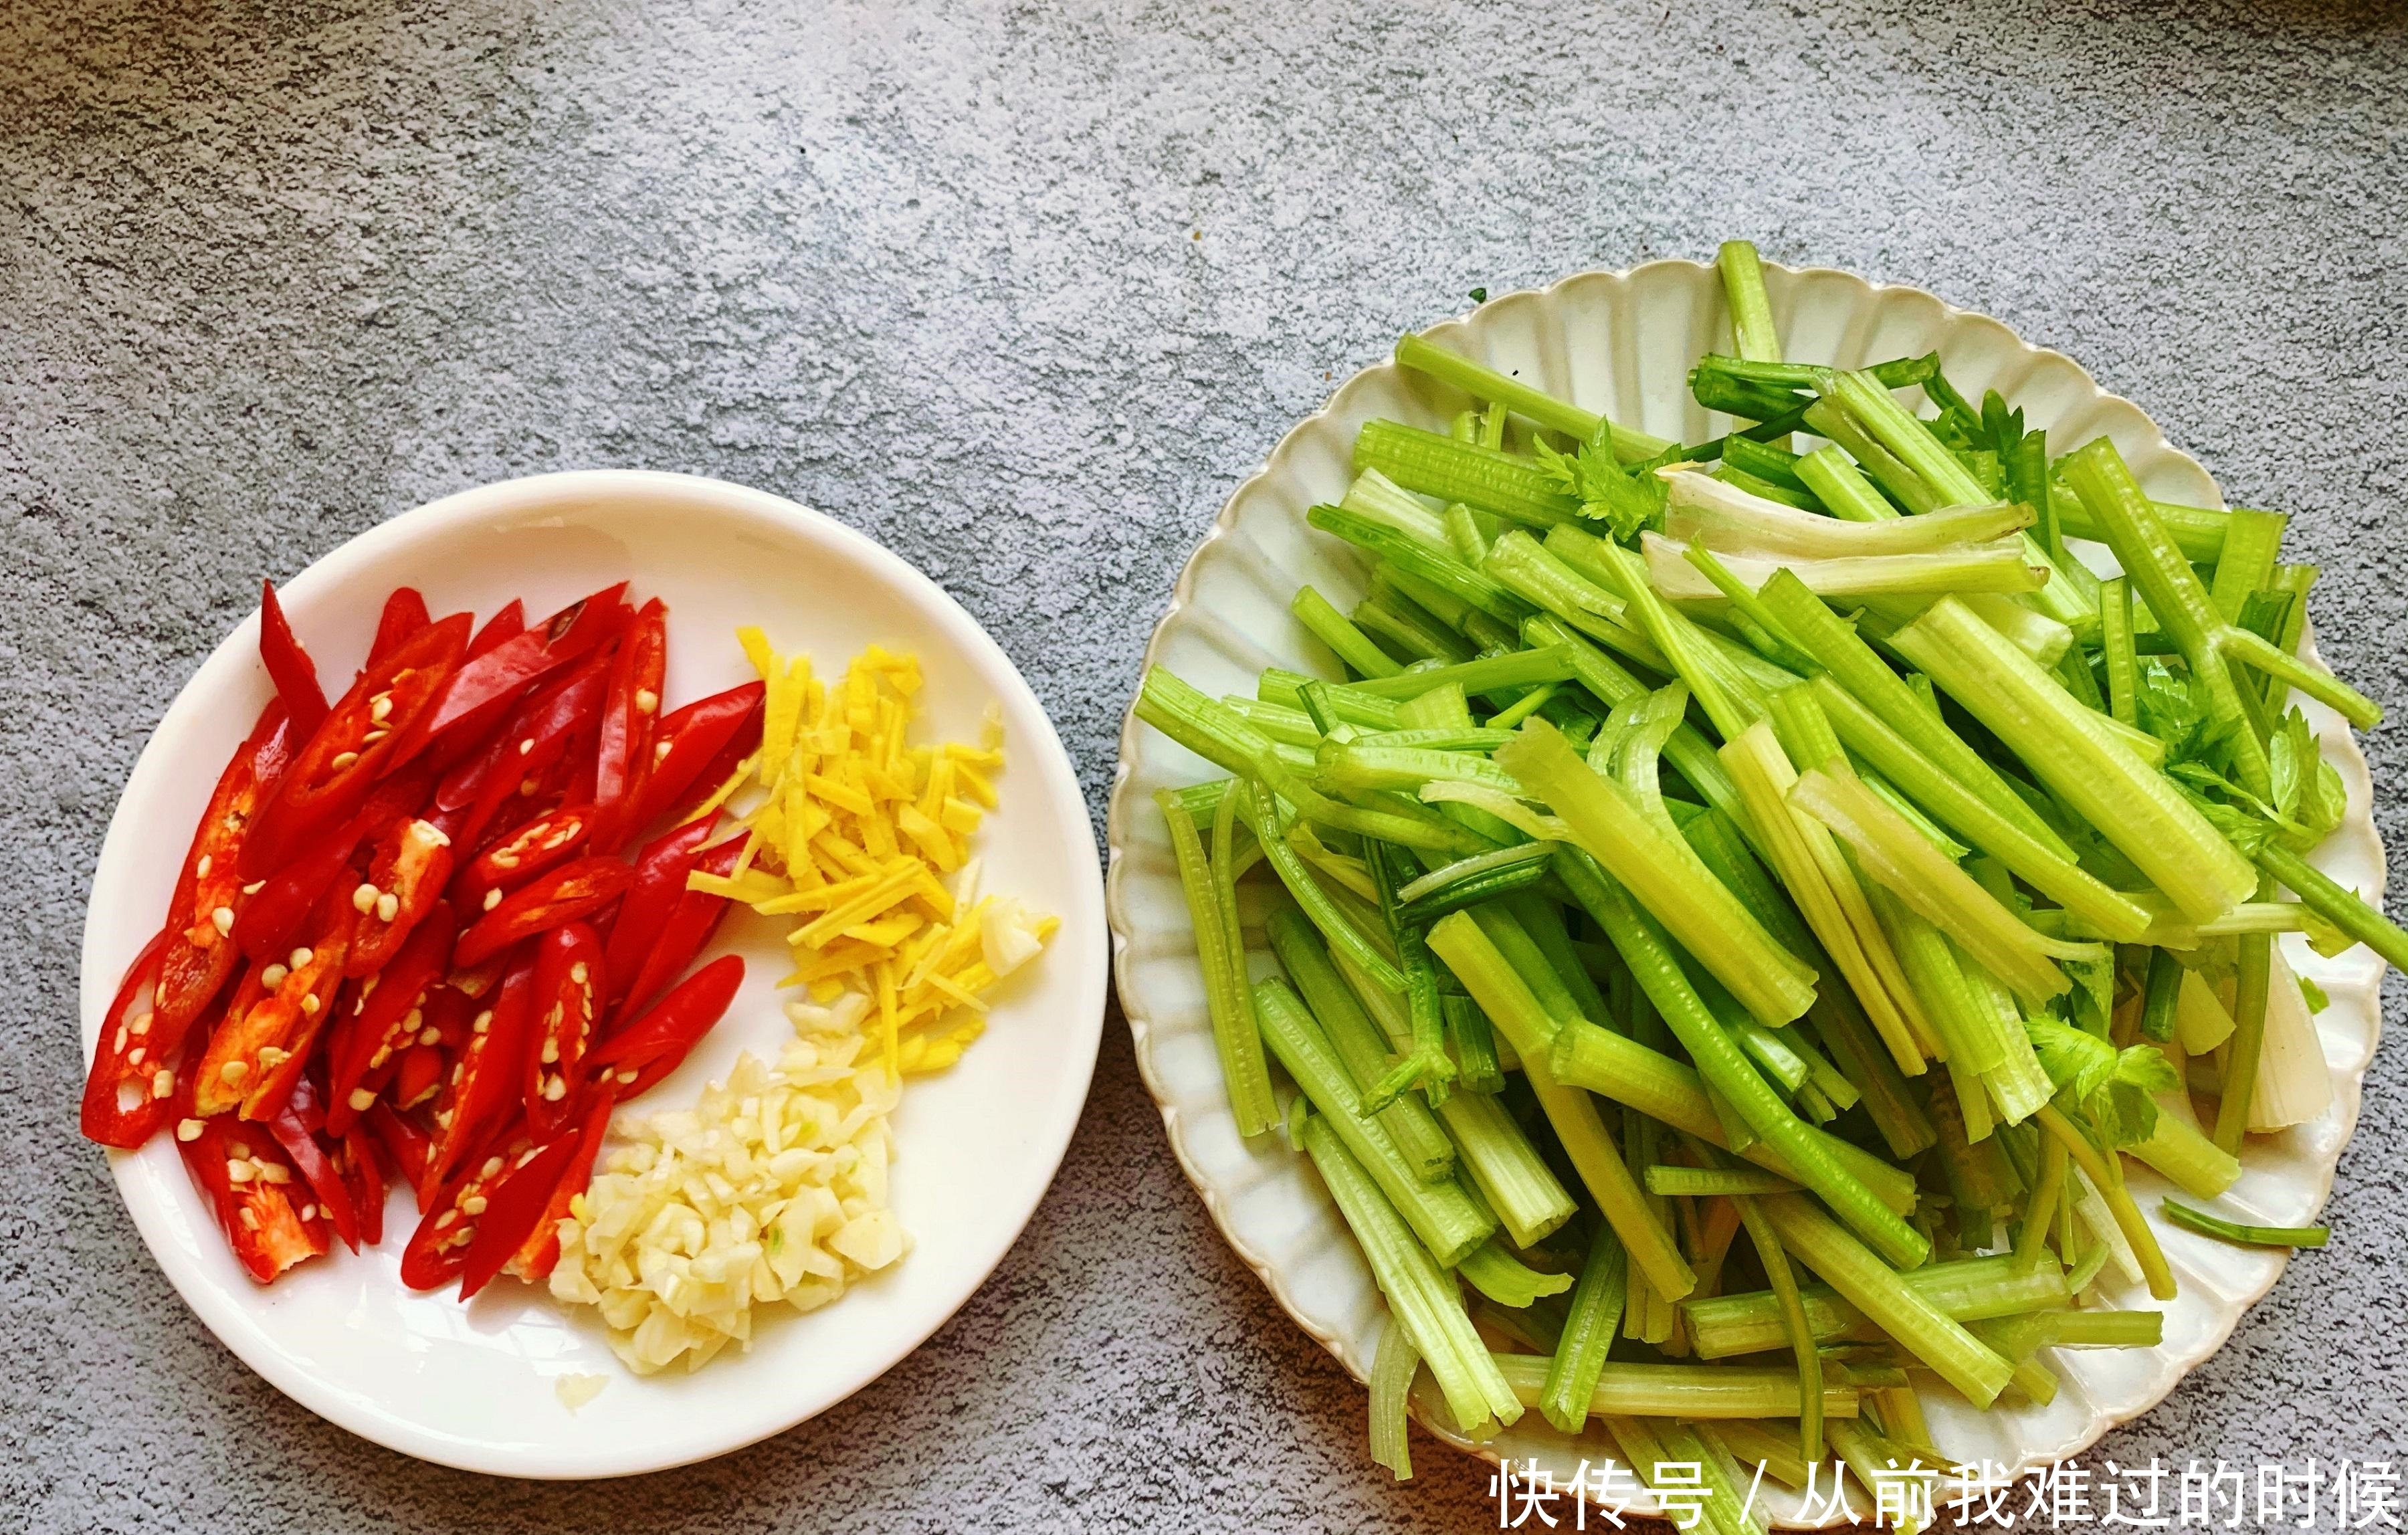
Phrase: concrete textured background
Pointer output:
(1023, 290)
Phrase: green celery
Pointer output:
(1422, 1296)
(1426, 1065)
(1843, 487)
(1352, 704)
(1775, 1262)
(2247, 1236)
(1664, 874)
(1682, 1391)
(1236, 1035)
(2106, 1175)
(1374, 494)
(1463, 530)
(1516, 669)
(1723, 1067)
(1533, 405)
(2342, 908)
(1449, 1222)
(1873, 1288)
(2076, 753)
(1442, 570)
(1965, 1289)
(1589, 1329)
(2242, 1052)
(1340, 931)
(2196, 531)
(1358, 1040)
(1506, 996)
(2253, 542)
(1504, 1168)
(1406, 627)
(1478, 1070)
(1706, 1183)
(1965, 812)
(1750, 308)
(1504, 1279)
(1345, 641)
(2177, 1149)
(1393, 1368)
(1899, 484)
(1434, 464)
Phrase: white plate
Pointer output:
(1621, 343)
(975, 1147)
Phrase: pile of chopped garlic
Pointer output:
(773, 1188)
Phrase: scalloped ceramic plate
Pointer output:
(975, 1146)
(1621, 343)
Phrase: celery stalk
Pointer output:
(2241, 1057)
(1533, 405)
(2107, 1178)
(2247, 1236)
(1504, 1279)
(1793, 1316)
(1392, 1382)
(1434, 464)
(1263, 816)
(1588, 1333)
(1750, 308)
(1505, 1169)
(1665, 876)
(1447, 1219)
(1678, 1391)
(1967, 1290)
(1421, 1295)
(1922, 1329)
(1345, 641)
(1358, 1043)
(2075, 753)
(1722, 1066)
(1234, 1034)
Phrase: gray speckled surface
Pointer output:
(1023, 290)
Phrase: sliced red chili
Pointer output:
(122, 1103)
(508, 622)
(483, 1087)
(657, 1044)
(257, 1053)
(541, 1253)
(365, 736)
(689, 745)
(519, 856)
(288, 666)
(439, 1247)
(568, 990)
(405, 613)
(691, 922)
(198, 952)
(391, 1010)
(418, 1076)
(563, 896)
(405, 880)
(311, 1160)
(519, 1199)
(536, 737)
(250, 1189)
(503, 672)
(409, 1147)
(661, 870)
(362, 1172)
(623, 748)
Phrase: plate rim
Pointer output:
(1182, 594)
(222, 1310)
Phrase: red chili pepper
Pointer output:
(505, 671)
(692, 739)
(365, 736)
(569, 990)
(250, 1187)
(517, 856)
(405, 613)
(272, 918)
(691, 922)
(362, 1172)
(485, 1083)
(517, 1202)
(122, 1105)
(405, 880)
(418, 1076)
(508, 622)
(661, 870)
(409, 1147)
(257, 1053)
(623, 750)
(657, 1043)
(439, 1247)
(198, 954)
(565, 895)
(382, 1023)
(288, 666)
(536, 737)
(317, 1169)
(541, 1253)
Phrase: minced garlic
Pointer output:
(772, 1188)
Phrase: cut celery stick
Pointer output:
(1392, 1382)
(1235, 1035)
(1589, 1330)
(1533, 405)
(1679, 1391)
(1966, 1289)
(1421, 1294)
(1504, 1279)
(2247, 1236)
(1358, 1043)
(1335, 630)
(1505, 1169)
